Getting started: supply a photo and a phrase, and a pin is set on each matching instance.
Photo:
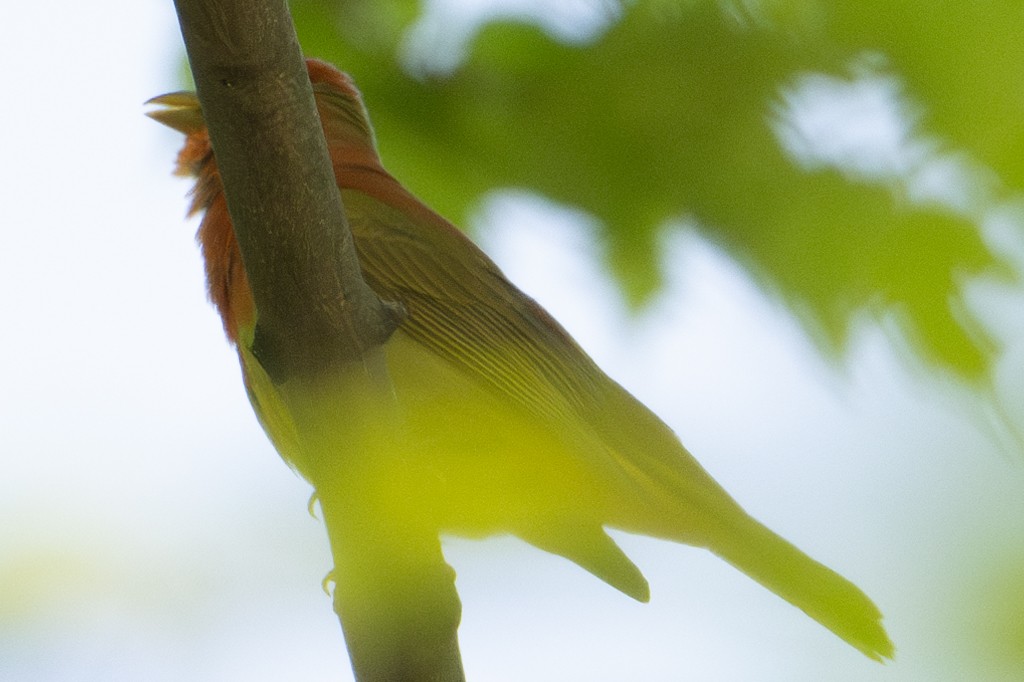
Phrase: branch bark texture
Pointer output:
(315, 310)
(399, 611)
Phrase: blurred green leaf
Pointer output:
(965, 60)
(673, 111)
(990, 609)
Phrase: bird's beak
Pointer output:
(180, 110)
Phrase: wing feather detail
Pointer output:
(465, 311)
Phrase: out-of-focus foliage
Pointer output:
(845, 153)
(997, 634)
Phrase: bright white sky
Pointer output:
(148, 531)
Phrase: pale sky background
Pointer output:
(149, 532)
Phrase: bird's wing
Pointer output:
(462, 308)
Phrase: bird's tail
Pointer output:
(683, 503)
(820, 592)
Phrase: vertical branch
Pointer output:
(315, 310)
(395, 596)
(315, 315)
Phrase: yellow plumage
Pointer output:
(481, 415)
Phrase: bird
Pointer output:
(500, 423)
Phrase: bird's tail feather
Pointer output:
(820, 592)
(683, 503)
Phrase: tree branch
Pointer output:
(315, 310)
(396, 599)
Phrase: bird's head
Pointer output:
(338, 102)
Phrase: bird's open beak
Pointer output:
(179, 110)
